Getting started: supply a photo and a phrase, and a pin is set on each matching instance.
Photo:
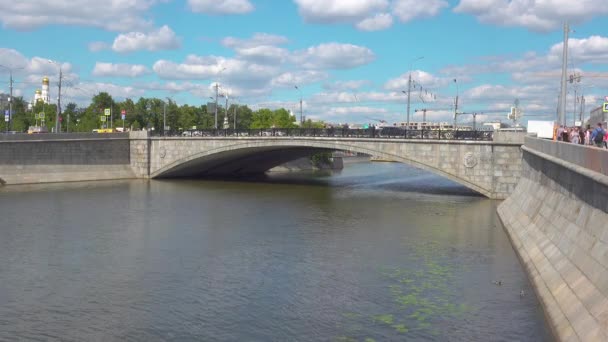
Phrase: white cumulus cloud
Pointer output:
(588, 50)
(333, 56)
(216, 68)
(407, 10)
(291, 79)
(260, 48)
(119, 70)
(220, 6)
(114, 15)
(367, 15)
(162, 39)
(339, 11)
(380, 21)
(537, 15)
(256, 40)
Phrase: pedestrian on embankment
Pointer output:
(574, 136)
(598, 135)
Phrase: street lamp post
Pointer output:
(10, 97)
(58, 113)
(301, 117)
(235, 105)
(455, 104)
(217, 94)
(226, 125)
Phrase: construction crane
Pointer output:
(481, 113)
(381, 121)
(424, 110)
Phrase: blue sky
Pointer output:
(350, 58)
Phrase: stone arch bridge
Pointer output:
(491, 168)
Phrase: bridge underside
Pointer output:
(243, 157)
(246, 161)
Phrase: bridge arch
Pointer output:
(258, 155)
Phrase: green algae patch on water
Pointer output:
(423, 296)
(386, 319)
(401, 328)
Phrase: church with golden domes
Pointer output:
(43, 95)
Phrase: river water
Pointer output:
(377, 252)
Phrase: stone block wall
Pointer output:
(557, 220)
(26, 159)
(140, 153)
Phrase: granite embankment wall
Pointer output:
(557, 220)
(47, 158)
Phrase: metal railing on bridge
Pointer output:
(384, 133)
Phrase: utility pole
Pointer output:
(562, 107)
(580, 116)
(58, 113)
(216, 95)
(10, 102)
(57, 123)
(474, 121)
(301, 117)
(164, 117)
(226, 124)
(455, 112)
(575, 101)
(409, 91)
(10, 98)
(455, 105)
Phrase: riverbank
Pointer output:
(558, 223)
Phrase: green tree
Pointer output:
(130, 115)
(99, 104)
(313, 124)
(21, 118)
(188, 117)
(70, 117)
(141, 113)
(266, 118)
(262, 119)
(282, 119)
(244, 117)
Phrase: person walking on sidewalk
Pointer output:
(598, 135)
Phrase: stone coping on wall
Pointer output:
(391, 140)
(61, 136)
(586, 157)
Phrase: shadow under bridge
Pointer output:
(239, 162)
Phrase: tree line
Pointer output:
(147, 113)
